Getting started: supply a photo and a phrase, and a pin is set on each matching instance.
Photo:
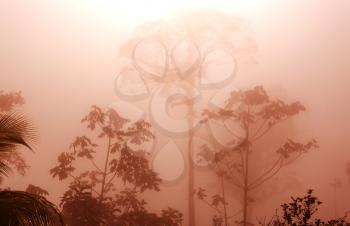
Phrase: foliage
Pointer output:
(300, 212)
(21, 208)
(109, 192)
(218, 203)
(35, 190)
(15, 130)
(8, 101)
(169, 217)
(80, 207)
(180, 52)
(256, 114)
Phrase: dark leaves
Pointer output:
(171, 217)
(133, 168)
(35, 190)
(128, 201)
(139, 132)
(83, 147)
(217, 200)
(201, 193)
(64, 167)
(80, 207)
(14, 130)
(88, 200)
(291, 147)
(94, 117)
(301, 209)
(24, 209)
(278, 110)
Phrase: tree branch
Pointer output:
(266, 172)
(266, 178)
(79, 181)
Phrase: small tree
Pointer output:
(125, 164)
(300, 212)
(256, 114)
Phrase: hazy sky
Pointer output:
(63, 56)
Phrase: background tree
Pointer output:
(256, 114)
(113, 185)
(335, 184)
(183, 51)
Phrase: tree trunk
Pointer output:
(245, 206)
(191, 206)
(191, 191)
(224, 197)
(246, 188)
(105, 170)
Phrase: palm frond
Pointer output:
(15, 130)
(19, 208)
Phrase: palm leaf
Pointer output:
(19, 208)
(15, 130)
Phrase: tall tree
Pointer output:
(179, 56)
(256, 114)
(112, 186)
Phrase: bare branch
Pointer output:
(266, 178)
(266, 173)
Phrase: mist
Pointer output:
(66, 56)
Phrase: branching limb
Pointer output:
(267, 172)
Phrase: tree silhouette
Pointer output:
(19, 208)
(256, 114)
(300, 212)
(181, 52)
(112, 188)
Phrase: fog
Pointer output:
(64, 56)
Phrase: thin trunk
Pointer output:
(245, 193)
(335, 201)
(191, 197)
(224, 197)
(191, 206)
(105, 170)
(246, 181)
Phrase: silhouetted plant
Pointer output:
(218, 203)
(256, 114)
(13, 158)
(35, 190)
(19, 208)
(125, 164)
(169, 217)
(300, 212)
(80, 207)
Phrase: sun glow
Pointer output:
(141, 10)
